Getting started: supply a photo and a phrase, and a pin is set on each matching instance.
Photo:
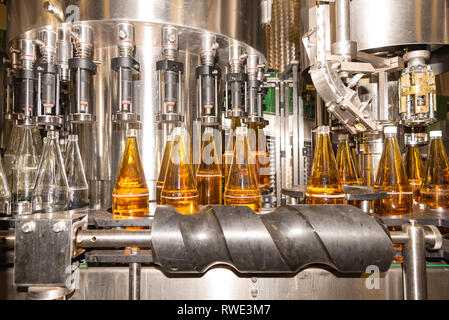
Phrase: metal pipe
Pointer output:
(342, 18)
(414, 266)
(134, 280)
(113, 238)
(7, 239)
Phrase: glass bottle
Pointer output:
(414, 169)
(242, 187)
(164, 166)
(258, 145)
(208, 175)
(130, 197)
(356, 164)
(345, 164)
(24, 168)
(51, 192)
(435, 186)
(5, 194)
(179, 188)
(11, 150)
(76, 176)
(324, 185)
(229, 150)
(392, 178)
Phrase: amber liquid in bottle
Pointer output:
(130, 197)
(435, 186)
(229, 150)
(392, 178)
(163, 170)
(209, 176)
(258, 146)
(179, 188)
(414, 169)
(346, 166)
(324, 185)
(242, 188)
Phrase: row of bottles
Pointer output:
(406, 183)
(37, 175)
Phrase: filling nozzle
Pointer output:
(253, 84)
(83, 67)
(126, 66)
(169, 76)
(64, 52)
(208, 76)
(48, 81)
(236, 80)
(26, 77)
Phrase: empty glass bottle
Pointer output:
(414, 169)
(163, 170)
(324, 185)
(392, 178)
(11, 150)
(5, 194)
(51, 191)
(229, 150)
(208, 175)
(179, 188)
(345, 164)
(242, 187)
(24, 167)
(435, 186)
(130, 197)
(76, 176)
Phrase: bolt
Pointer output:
(254, 279)
(254, 293)
(412, 221)
(171, 38)
(122, 34)
(28, 227)
(58, 227)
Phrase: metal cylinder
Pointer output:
(125, 40)
(134, 280)
(208, 46)
(235, 57)
(47, 47)
(27, 54)
(83, 34)
(414, 266)
(342, 19)
(113, 239)
(170, 43)
(64, 52)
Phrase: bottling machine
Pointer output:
(100, 69)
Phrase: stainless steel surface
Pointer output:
(107, 283)
(134, 280)
(415, 277)
(44, 248)
(243, 24)
(387, 26)
(113, 238)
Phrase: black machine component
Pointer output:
(25, 78)
(284, 241)
(236, 81)
(126, 67)
(83, 68)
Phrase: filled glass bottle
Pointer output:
(258, 145)
(5, 194)
(130, 197)
(345, 164)
(392, 178)
(229, 150)
(76, 176)
(164, 166)
(208, 175)
(242, 187)
(435, 186)
(324, 185)
(356, 164)
(24, 168)
(179, 188)
(51, 192)
(414, 170)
